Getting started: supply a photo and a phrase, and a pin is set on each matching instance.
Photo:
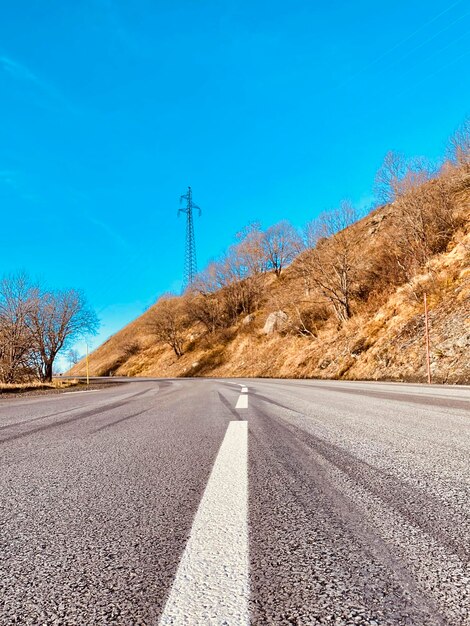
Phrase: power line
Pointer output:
(399, 94)
(431, 38)
(399, 43)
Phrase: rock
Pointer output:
(195, 364)
(275, 321)
(463, 342)
(248, 319)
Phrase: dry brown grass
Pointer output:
(57, 383)
(382, 340)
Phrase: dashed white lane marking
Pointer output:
(244, 389)
(211, 586)
(242, 402)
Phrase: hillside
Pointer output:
(390, 264)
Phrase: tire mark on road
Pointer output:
(72, 418)
(35, 419)
(398, 396)
(228, 406)
(338, 523)
(412, 504)
(118, 421)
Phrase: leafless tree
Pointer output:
(398, 173)
(230, 288)
(305, 316)
(73, 357)
(281, 244)
(17, 297)
(424, 217)
(131, 348)
(205, 302)
(459, 145)
(56, 319)
(331, 269)
(232, 285)
(242, 287)
(206, 308)
(167, 321)
(250, 250)
(425, 220)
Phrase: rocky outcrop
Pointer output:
(275, 322)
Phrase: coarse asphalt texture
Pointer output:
(358, 505)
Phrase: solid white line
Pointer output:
(65, 393)
(211, 586)
(242, 402)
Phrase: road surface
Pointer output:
(236, 502)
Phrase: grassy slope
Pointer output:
(384, 340)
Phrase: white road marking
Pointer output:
(244, 389)
(66, 393)
(211, 586)
(242, 402)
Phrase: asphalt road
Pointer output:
(196, 502)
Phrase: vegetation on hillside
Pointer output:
(347, 292)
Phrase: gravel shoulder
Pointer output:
(49, 391)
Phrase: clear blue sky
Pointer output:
(109, 109)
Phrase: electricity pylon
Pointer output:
(190, 262)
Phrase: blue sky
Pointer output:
(109, 109)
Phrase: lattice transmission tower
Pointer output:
(190, 261)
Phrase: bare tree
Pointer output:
(425, 220)
(250, 250)
(208, 309)
(167, 321)
(73, 357)
(131, 348)
(16, 302)
(56, 319)
(332, 268)
(424, 215)
(205, 302)
(398, 174)
(459, 145)
(243, 286)
(305, 316)
(281, 244)
(233, 285)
